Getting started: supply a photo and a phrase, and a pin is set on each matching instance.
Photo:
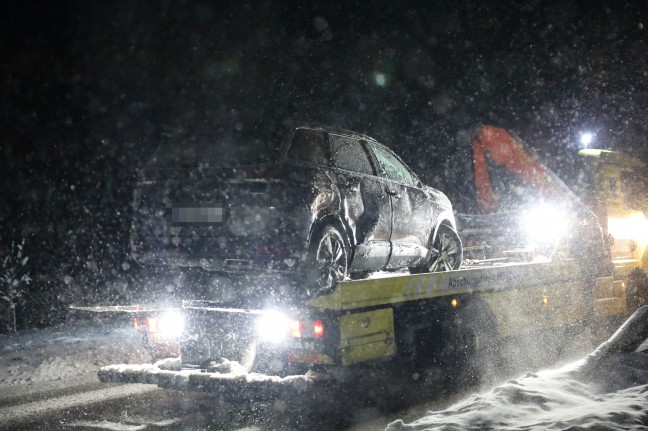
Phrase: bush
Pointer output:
(13, 279)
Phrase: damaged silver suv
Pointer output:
(321, 203)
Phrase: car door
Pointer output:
(363, 202)
(412, 210)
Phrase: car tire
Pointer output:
(637, 289)
(476, 345)
(446, 253)
(327, 261)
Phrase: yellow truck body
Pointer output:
(522, 298)
(618, 196)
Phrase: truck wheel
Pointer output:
(472, 345)
(637, 290)
(327, 261)
(447, 252)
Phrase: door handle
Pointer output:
(393, 193)
(349, 184)
(354, 185)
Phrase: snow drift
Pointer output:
(607, 390)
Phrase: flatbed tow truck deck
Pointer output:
(376, 320)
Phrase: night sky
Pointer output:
(88, 87)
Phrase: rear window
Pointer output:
(308, 146)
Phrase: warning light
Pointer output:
(454, 303)
(586, 139)
(318, 327)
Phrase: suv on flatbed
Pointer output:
(321, 203)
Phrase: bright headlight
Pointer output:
(544, 224)
(171, 324)
(273, 326)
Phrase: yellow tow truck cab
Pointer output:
(619, 197)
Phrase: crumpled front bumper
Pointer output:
(229, 378)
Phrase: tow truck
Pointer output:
(615, 188)
(611, 184)
(558, 278)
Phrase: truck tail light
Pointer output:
(152, 324)
(297, 329)
(318, 328)
(145, 324)
(169, 325)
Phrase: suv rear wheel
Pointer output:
(327, 261)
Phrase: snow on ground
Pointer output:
(607, 390)
(548, 400)
(67, 355)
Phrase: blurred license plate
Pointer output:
(196, 215)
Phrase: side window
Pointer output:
(348, 153)
(392, 168)
(634, 189)
(308, 146)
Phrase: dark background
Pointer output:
(87, 88)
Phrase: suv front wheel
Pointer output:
(446, 253)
